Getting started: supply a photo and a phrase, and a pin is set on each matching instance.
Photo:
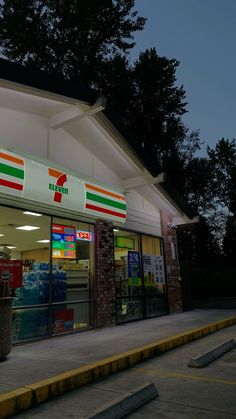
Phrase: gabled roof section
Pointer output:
(21, 76)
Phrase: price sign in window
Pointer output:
(63, 242)
(83, 235)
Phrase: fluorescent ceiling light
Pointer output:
(1, 235)
(43, 241)
(115, 229)
(36, 214)
(27, 228)
(11, 247)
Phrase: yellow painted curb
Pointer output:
(22, 399)
(15, 401)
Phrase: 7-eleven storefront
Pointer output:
(53, 263)
(86, 230)
(48, 259)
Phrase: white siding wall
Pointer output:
(142, 216)
(29, 133)
(66, 150)
(23, 131)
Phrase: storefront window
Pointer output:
(47, 266)
(72, 274)
(154, 276)
(30, 323)
(153, 265)
(128, 277)
(25, 259)
(139, 276)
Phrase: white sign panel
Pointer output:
(35, 181)
(51, 186)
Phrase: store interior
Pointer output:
(53, 297)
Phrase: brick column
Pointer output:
(105, 274)
(174, 287)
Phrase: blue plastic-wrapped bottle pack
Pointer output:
(33, 322)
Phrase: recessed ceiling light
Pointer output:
(11, 247)
(1, 235)
(115, 229)
(36, 214)
(27, 228)
(43, 241)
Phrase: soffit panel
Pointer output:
(31, 103)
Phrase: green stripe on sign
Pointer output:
(12, 171)
(105, 201)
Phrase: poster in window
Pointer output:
(63, 242)
(11, 273)
(153, 268)
(134, 271)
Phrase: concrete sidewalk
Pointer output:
(98, 352)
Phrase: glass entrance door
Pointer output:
(139, 277)
(72, 275)
(155, 294)
(128, 277)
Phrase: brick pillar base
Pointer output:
(105, 274)
(174, 287)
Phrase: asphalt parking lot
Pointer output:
(184, 392)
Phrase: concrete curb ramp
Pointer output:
(210, 356)
(24, 398)
(126, 404)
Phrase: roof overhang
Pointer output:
(66, 104)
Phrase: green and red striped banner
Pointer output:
(12, 173)
(103, 202)
(30, 179)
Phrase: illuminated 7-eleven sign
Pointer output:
(58, 186)
(33, 180)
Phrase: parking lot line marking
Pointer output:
(160, 373)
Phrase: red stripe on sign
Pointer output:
(106, 211)
(11, 185)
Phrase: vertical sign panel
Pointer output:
(63, 242)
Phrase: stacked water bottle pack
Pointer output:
(31, 323)
(59, 285)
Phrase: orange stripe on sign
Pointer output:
(54, 173)
(95, 188)
(11, 158)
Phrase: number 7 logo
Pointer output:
(58, 187)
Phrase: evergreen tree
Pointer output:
(72, 38)
(223, 161)
(229, 241)
(198, 185)
(146, 97)
(157, 104)
(198, 245)
(210, 181)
